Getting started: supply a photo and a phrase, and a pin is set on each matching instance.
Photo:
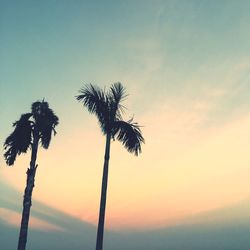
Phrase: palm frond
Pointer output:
(116, 96)
(96, 101)
(129, 134)
(46, 121)
(19, 140)
(118, 92)
(38, 108)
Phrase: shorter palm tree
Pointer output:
(108, 109)
(30, 130)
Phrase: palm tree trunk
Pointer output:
(31, 172)
(100, 230)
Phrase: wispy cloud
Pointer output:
(13, 218)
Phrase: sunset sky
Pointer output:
(186, 68)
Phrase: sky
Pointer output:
(186, 68)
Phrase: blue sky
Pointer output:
(50, 48)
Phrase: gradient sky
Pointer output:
(186, 67)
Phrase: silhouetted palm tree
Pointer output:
(29, 130)
(108, 109)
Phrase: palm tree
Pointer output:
(29, 130)
(108, 109)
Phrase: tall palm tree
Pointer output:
(106, 105)
(29, 130)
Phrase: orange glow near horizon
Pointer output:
(177, 176)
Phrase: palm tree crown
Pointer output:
(106, 105)
(41, 122)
